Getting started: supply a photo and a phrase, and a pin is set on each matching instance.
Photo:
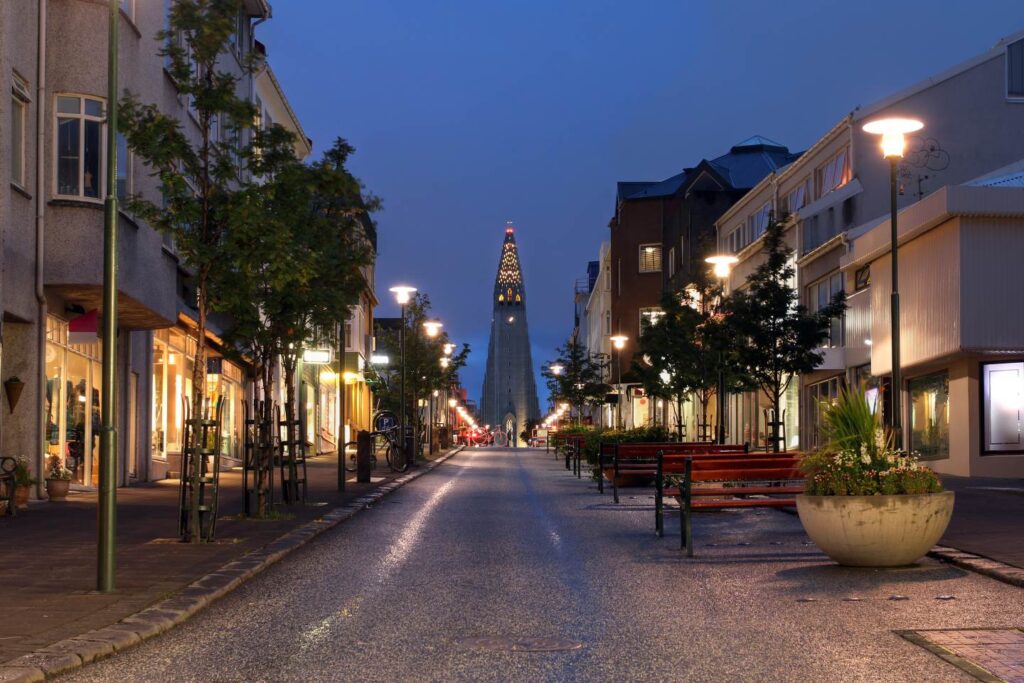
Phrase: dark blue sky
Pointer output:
(468, 113)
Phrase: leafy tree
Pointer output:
(424, 371)
(580, 382)
(197, 168)
(775, 337)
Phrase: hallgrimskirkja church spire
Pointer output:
(510, 392)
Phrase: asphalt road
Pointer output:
(502, 546)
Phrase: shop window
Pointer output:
(929, 416)
(819, 397)
(650, 258)
(79, 146)
(1002, 390)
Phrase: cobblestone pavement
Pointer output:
(50, 572)
(500, 566)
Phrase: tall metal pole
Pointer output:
(618, 386)
(401, 414)
(897, 385)
(721, 398)
(107, 546)
(340, 380)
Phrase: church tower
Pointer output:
(510, 391)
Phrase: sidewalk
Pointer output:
(988, 518)
(50, 573)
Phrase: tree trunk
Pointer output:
(198, 396)
(264, 449)
(777, 419)
(679, 418)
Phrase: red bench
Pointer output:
(711, 482)
(639, 460)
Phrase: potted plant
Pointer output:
(867, 505)
(23, 483)
(58, 479)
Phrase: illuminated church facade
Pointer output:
(509, 396)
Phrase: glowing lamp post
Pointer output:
(433, 328)
(721, 265)
(893, 133)
(617, 344)
(403, 294)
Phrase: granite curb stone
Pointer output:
(1000, 571)
(76, 652)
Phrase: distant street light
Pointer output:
(618, 343)
(403, 293)
(433, 327)
(893, 132)
(722, 267)
(556, 368)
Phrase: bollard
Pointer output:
(364, 445)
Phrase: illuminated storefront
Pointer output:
(72, 402)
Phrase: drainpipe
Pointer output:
(40, 224)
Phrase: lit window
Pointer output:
(1015, 69)
(833, 174)
(79, 146)
(648, 317)
(650, 258)
(929, 416)
(1003, 388)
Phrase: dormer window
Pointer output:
(1015, 70)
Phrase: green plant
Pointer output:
(22, 474)
(860, 459)
(55, 469)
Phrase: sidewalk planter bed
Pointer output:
(876, 531)
(865, 504)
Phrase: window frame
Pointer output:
(649, 248)
(862, 278)
(1010, 97)
(653, 313)
(19, 108)
(128, 9)
(812, 294)
(820, 172)
(985, 434)
(82, 118)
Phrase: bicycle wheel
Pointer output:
(351, 449)
(396, 458)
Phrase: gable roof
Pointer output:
(741, 168)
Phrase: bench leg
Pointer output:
(659, 502)
(685, 530)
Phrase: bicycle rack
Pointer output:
(292, 461)
(258, 457)
(198, 495)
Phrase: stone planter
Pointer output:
(21, 494)
(57, 489)
(876, 531)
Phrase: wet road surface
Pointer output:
(465, 573)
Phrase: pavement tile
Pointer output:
(21, 674)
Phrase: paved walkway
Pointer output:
(499, 566)
(49, 574)
(988, 518)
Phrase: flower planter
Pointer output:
(876, 531)
(57, 489)
(21, 494)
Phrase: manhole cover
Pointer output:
(506, 644)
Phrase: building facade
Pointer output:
(836, 194)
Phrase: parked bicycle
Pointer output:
(384, 447)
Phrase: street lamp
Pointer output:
(893, 132)
(403, 293)
(433, 327)
(721, 265)
(618, 343)
(448, 348)
(556, 368)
